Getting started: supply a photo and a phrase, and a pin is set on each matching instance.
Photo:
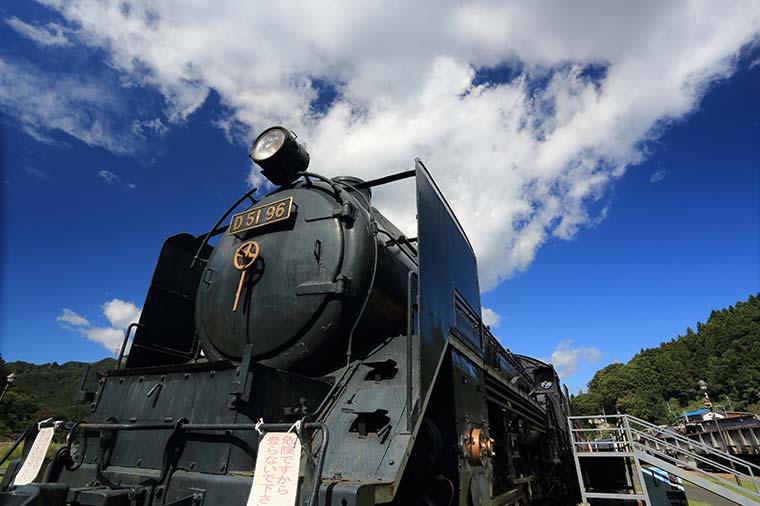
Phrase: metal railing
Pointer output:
(627, 435)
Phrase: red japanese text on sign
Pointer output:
(34, 460)
(275, 479)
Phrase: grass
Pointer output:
(744, 484)
(714, 478)
(17, 452)
(4, 448)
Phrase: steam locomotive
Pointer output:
(312, 314)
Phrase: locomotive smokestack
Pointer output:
(279, 155)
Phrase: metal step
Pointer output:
(625, 436)
(619, 497)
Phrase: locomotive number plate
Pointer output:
(255, 217)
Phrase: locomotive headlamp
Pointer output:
(267, 144)
(278, 154)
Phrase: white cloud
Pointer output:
(51, 35)
(119, 314)
(565, 358)
(520, 160)
(76, 105)
(108, 176)
(154, 125)
(69, 317)
(37, 173)
(658, 176)
(108, 337)
(112, 178)
(491, 317)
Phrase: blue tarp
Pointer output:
(696, 412)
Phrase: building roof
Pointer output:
(696, 412)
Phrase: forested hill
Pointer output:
(660, 383)
(44, 390)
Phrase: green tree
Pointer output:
(18, 411)
(723, 352)
(3, 374)
(45, 390)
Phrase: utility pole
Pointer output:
(723, 438)
(8, 382)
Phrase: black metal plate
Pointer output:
(167, 331)
(447, 263)
(200, 397)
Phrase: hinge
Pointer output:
(243, 380)
(341, 286)
(347, 212)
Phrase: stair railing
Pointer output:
(617, 434)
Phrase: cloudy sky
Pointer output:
(602, 157)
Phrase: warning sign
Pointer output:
(275, 479)
(33, 463)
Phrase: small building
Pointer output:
(701, 415)
(735, 433)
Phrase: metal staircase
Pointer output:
(642, 443)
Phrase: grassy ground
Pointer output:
(17, 452)
(4, 448)
(745, 484)
(700, 497)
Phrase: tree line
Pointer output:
(43, 391)
(659, 384)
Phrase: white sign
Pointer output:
(33, 463)
(275, 479)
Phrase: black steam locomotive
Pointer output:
(312, 314)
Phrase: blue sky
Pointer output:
(615, 183)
